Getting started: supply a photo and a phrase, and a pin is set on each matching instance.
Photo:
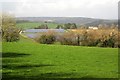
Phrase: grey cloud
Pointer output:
(61, 8)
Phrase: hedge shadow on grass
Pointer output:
(42, 76)
(24, 66)
(53, 76)
(13, 55)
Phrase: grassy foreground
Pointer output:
(28, 59)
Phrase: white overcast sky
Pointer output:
(104, 9)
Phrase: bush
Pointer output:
(68, 38)
(100, 44)
(86, 37)
(70, 26)
(83, 37)
(11, 34)
(46, 38)
(43, 26)
(109, 43)
(110, 39)
(59, 27)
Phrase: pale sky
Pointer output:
(104, 9)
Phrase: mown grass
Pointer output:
(28, 59)
(28, 25)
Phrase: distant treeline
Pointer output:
(64, 26)
(22, 21)
(74, 26)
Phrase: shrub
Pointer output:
(46, 38)
(100, 44)
(8, 28)
(68, 38)
(43, 26)
(109, 43)
(110, 39)
(11, 34)
(70, 26)
(86, 37)
(59, 27)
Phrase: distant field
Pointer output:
(28, 59)
(28, 25)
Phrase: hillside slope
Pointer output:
(62, 20)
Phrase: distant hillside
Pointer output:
(63, 20)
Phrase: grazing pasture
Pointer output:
(29, 25)
(29, 60)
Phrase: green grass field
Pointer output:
(28, 25)
(28, 59)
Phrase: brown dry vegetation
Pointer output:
(102, 37)
(99, 37)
